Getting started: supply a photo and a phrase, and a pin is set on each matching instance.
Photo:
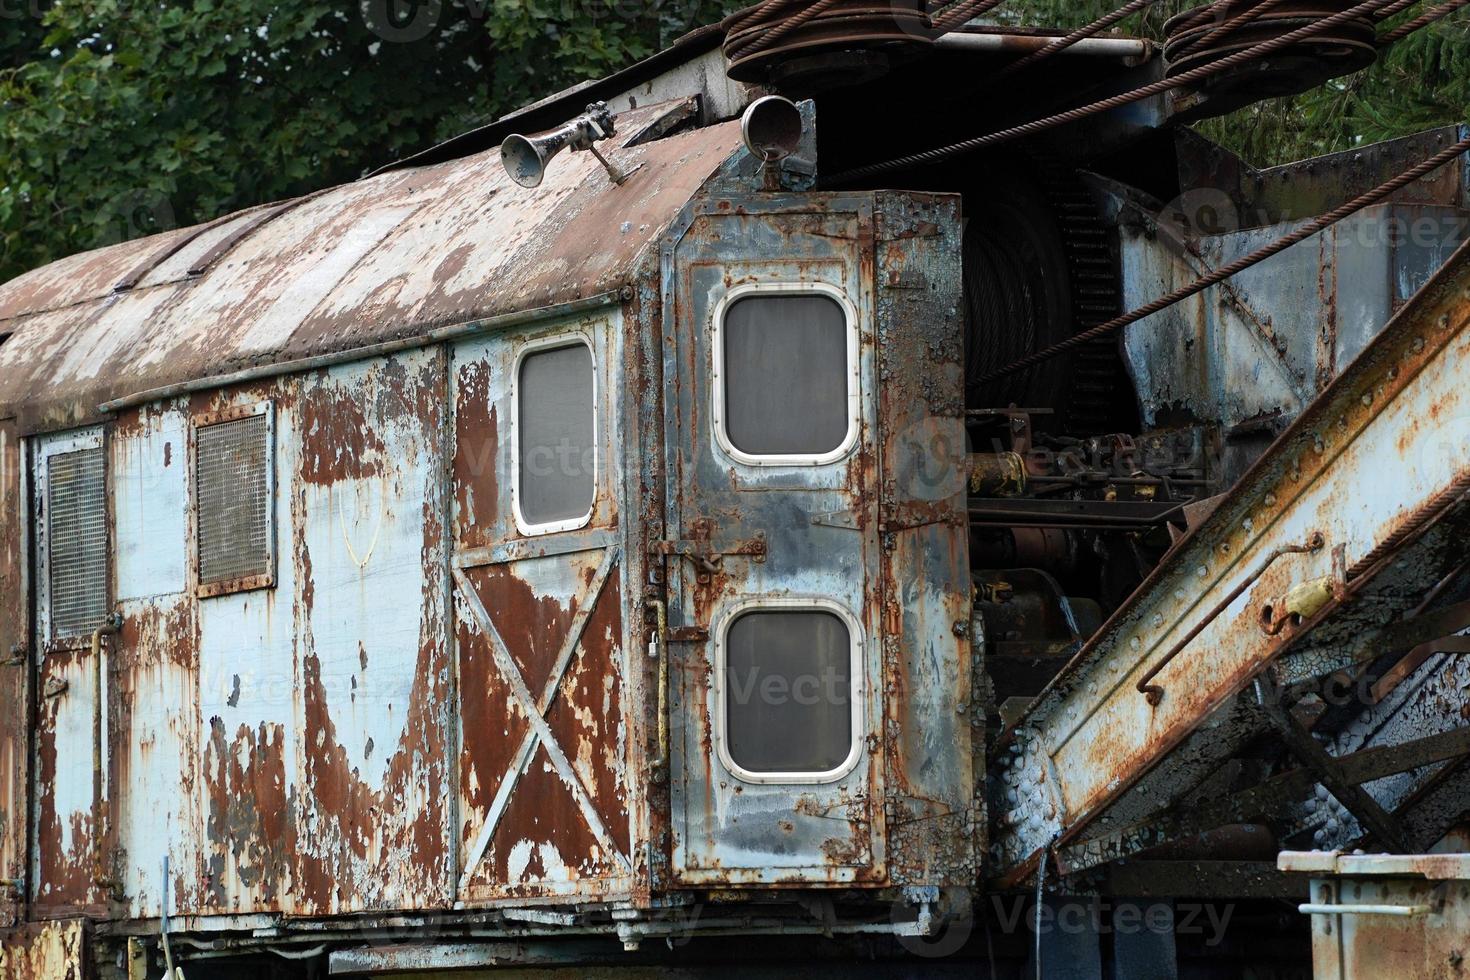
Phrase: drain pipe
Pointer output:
(110, 627)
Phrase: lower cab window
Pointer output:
(788, 692)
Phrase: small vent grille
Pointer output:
(76, 541)
(232, 468)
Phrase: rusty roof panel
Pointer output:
(380, 259)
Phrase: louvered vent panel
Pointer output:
(76, 541)
(232, 470)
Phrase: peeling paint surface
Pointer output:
(15, 675)
(867, 536)
(370, 261)
(1399, 409)
(44, 951)
(541, 647)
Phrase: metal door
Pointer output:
(771, 546)
(73, 599)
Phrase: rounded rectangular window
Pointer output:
(785, 383)
(788, 691)
(556, 448)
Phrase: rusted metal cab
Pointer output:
(593, 593)
(815, 552)
(787, 615)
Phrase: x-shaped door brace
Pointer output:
(536, 711)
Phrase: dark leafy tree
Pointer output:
(122, 117)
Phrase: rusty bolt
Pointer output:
(961, 628)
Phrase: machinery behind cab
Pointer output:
(746, 541)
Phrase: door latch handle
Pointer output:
(709, 556)
(658, 648)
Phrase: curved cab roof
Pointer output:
(387, 257)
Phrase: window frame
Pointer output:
(94, 438)
(244, 583)
(717, 381)
(540, 345)
(857, 675)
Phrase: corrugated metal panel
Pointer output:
(76, 520)
(232, 468)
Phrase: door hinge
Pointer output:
(847, 520)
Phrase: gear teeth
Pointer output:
(1098, 375)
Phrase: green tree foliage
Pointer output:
(122, 117)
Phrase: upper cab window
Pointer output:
(786, 376)
(555, 437)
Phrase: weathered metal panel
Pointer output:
(544, 726)
(153, 741)
(819, 529)
(66, 835)
(552, 835)
(69, 771)
(249, 714)
(371, 261)
(1268, 341)
(150, 459)
(934, 722)
(366, 537)
(1381, 915)
(45, 951)
(1398, 410)
(15, 674)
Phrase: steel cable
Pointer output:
(1118, 101)
(1423, 20)
(776, 33)
(952, 17)
(1227, 271)
(742, 19)
(1398, 6)
(1234, 24)
(1199, 16)
(1081, 34)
